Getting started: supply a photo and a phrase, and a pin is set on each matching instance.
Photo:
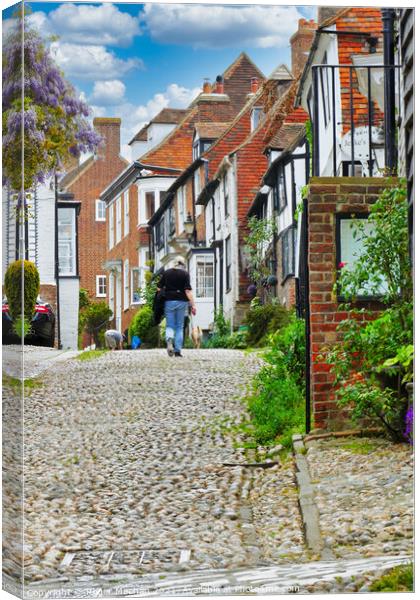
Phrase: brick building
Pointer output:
(86, 181)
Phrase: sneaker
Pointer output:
(170, 347)
(178, 354)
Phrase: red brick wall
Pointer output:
(86, 188)
(327, 198)
(127, 248)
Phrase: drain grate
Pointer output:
(123, 561)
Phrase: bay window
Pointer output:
(204, 277)
(67, 241)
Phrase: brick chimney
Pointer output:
(219, 85)
(301, 42)
(206, 86)
(255, 84)
(110, 129)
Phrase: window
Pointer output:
(182, 207)
(325, 89)
(67, 241)
(126, 284)
(111, 292)
(101, 286)
(197, 183)
(100, 210)
(118, 220)
(160, 234)
(226, 195)
(255, 117)
(126, 213)
(228, 252)
(349, 248)
(204, 287)
(172, 221)
(288, 238)
(111, 226)
(135, 285)
(196, 149)
(150, 205)
(280, 198)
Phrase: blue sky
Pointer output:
(132, 60)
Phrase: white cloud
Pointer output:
(108, 92)
(221, 26)
(91, 61)
(90, 24)
(134, 117)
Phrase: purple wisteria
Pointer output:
(49, 116)
(409, 424)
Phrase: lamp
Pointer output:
(189, 228)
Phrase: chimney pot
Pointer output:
(254, 85)
(206, 86)
(219, 85)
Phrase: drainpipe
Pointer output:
(56, 262)
(388, 16)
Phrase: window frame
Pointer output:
(160, 234)
(205, 259)
(288, 263)
(226, 194)
(98, 286)
(68, 242)
(228, 263)
(111, 226)
(280, 200)
(133, 288)
(256, 111)
(118, 220)
(126, 285)
(126, 213)
(339, 218)
(100, 203)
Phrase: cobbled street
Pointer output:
(131, 468)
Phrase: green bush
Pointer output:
(276, 401)
(96, 317)
(21, 327)
(13, 288)
(143, 326)
(263, 320)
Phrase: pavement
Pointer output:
(137, 476)
(30, 361)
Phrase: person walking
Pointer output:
(175, 282)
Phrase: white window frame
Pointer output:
(111, 297)
(126, 213)
(133, 288)
(118, 220)
(67, 243)
(100, 210)
(126, 294)
(111, 225)
(207, 259)
(256, 115)
(100, 282)
(182, 212)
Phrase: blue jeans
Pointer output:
(175, 311)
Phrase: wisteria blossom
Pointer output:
(41, 105)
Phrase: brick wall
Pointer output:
(86, 188)
(327, 198)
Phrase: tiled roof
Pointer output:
(165, 116)
(74, 173)
(176, 149)
(286, 135)
(210, 131)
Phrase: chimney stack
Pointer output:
(206, 86)
(219, 85)
(110, 129)
(301, 43)
(255, 84)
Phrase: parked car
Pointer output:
(42, 325)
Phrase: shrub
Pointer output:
(13, 288)
(374, 357)
(143, 326)
(263, 320)
(96, 317)
(276, 400)
(21, 327)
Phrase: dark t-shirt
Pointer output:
(175, 282)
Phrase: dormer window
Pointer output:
(255, 117)
(201, 146)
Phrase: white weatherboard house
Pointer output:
(35, 239)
